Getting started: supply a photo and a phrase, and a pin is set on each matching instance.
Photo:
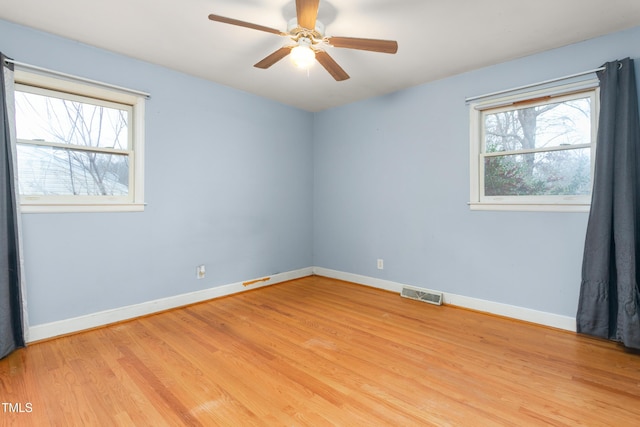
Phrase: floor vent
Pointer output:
(421, 294)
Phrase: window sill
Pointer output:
(538, 207)
(50, 208)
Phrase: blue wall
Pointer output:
(251, 187)
(228, 184)
(392, 182)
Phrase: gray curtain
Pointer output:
(609, 295)
(11, 322)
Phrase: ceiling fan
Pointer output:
(308, 41)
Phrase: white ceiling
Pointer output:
(436, 38)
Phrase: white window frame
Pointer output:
(560, 203)
(69, 88)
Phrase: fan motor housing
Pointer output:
(295, 30)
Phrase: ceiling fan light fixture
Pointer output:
(307, 41)
(302, 55)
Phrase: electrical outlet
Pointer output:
(380, 264)
(200, 272)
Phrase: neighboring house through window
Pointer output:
(80, 147)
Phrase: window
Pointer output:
(535, 151)
(79, 146)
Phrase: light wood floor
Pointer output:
(316, 352)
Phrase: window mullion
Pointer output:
(536, 150)
(73, 147)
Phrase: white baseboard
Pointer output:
(514, 312)
(102, 318)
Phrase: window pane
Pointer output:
(543, 126)
(563, 172)
(64, 121)
(56, 171)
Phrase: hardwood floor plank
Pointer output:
(390, 376)
(315, 352)
(324, 360)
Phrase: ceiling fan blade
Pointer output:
(307, 13)
(239, 23)
(331, 66)
(373, 45)
(273, 58)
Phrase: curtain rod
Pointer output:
(557, 79)
(82, 79)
